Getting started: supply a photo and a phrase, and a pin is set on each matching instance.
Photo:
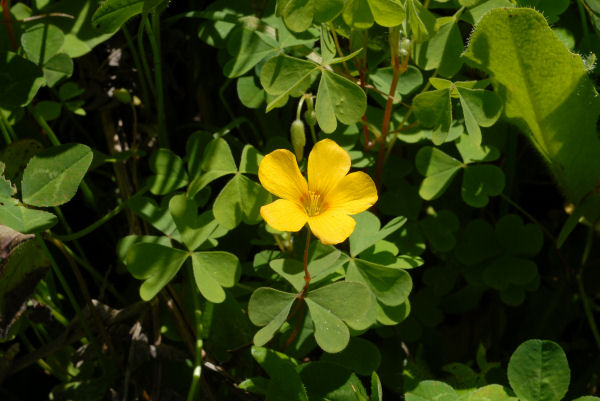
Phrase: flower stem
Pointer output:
(199, 329)
(306, 273)
(138, 65)
(153, 31)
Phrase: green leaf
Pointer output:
(442, 51)
(439, 229)
(52, 176)
(20, 80)
(367, 232)
(293, 270)
(170, 173)
(41, 42)
(501, 272)
(390, 285)
(341, 384)
(357, 14)
(297, 14)
(284, 75)
(430, 390)
(434, 109)
(538, 370)
(58, 67)
(269, 308)
(422, 22)
(474, 14)
(113, 13)
(194, 229)
(339, 98)
(155, 264)
(250, 160)
(480, 182)
(240, 200)
(557, 110)
(23, 219)
(360, 356)
(213, 270)
(409, 81)
(329, 306)
(285, 383)
(491, 392)
(387, 13)
(327, 10)
(376, 389)
(518, 238)
(158, 216)
(480, 108)
(472, 151)
(48, 109)
(247, 49)
(438, 169)
(217, 161)
(249, 93)
(328, 50)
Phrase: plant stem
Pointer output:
(70, 296)
(587, 307)
(154, 38)
(143, 57)
(5, 132)
(338, 47)
(138, 65)
(6, 11)
(100, 221)
(306, 273)
(199, 343)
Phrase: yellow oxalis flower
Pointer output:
(325, 202)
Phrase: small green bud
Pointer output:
(122, 95)
(404, 47)
(311, 117)
(298, 138)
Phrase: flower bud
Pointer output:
(298, 138)
(311, 117)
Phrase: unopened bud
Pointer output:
(311, 117)
(298, 138)
(122, 95)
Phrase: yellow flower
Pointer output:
(325, 202)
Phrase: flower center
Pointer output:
(313, 203)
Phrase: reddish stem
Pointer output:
(6, 12)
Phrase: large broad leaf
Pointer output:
(557, 109)
(338, 99)
(20, 79)
(52, 176)
(240, 200)
(269, 307)
(113, 13)
(214, 270)
(538, 370)
(438, 169)
(390, 285)
(285, 383)
(155, 264)
(329, 306)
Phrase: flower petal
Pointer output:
(331, 227)
(328, 163)
(355, 193)
(284, 215)
(279, 174)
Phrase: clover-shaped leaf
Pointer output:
(338, 98)
(434, 110)
(240, 200)
(284, 75)
(430, 390)
(439, 229)
(285, 382)
(170, 172)
(480, 182)
(155, 264)
(217, 161)
(480, 108)
(421, 21)
(442, 50)
(194, 229)
(24, 219)
(438, 169)
(214, 270)
(330, 306)
(368, 232)
(390, 285)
